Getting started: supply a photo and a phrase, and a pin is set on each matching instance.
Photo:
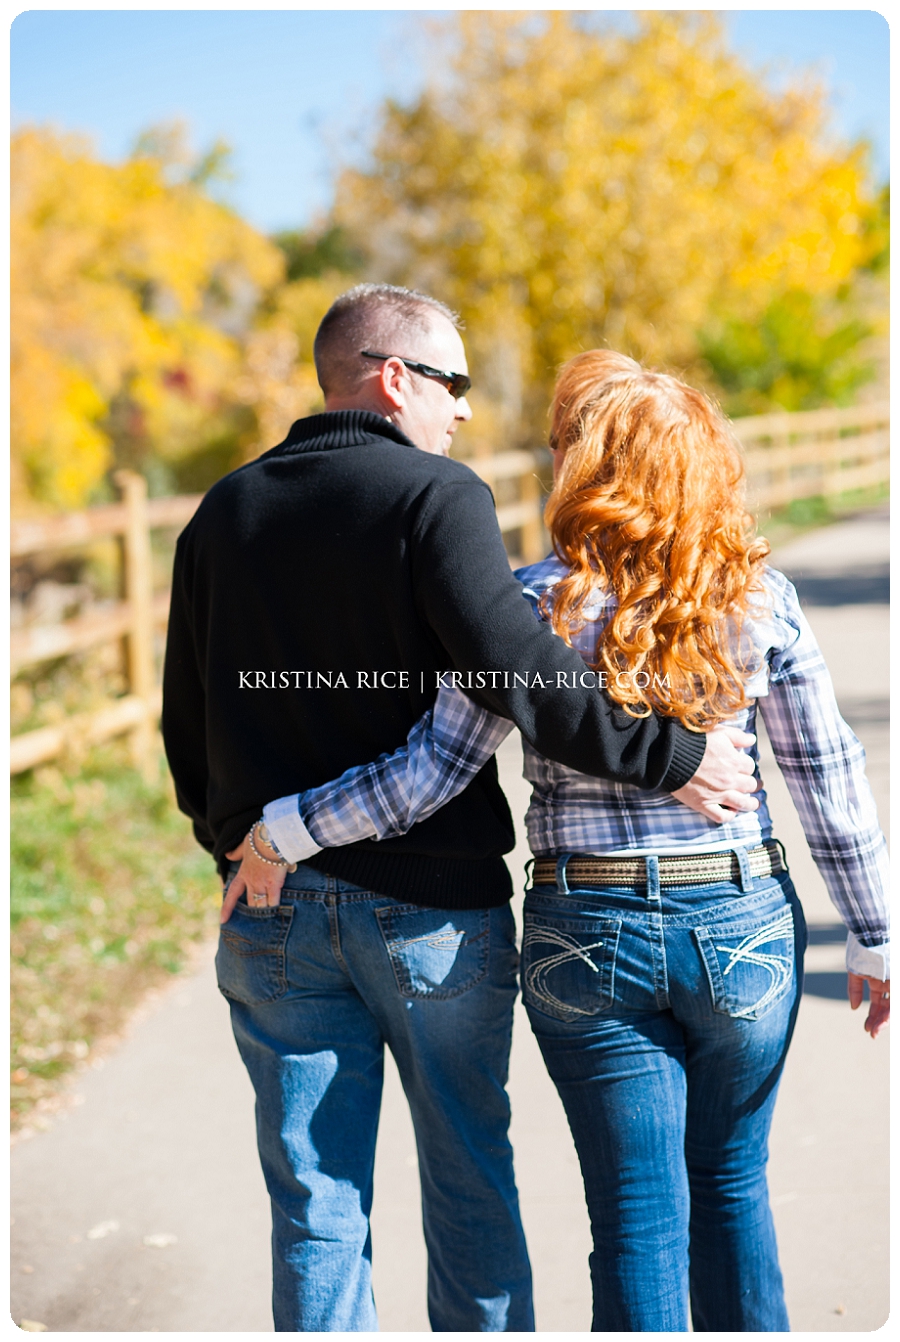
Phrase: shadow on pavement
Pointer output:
(826, 934)
(826, 983)
(860, 585)
(832, 985)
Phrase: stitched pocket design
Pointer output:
(749, 967)
(435, 953)
(568, 966)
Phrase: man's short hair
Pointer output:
(381, 317)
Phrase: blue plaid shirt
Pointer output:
(822, 761)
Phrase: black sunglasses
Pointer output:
(457, 383)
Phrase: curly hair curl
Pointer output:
(649, 502)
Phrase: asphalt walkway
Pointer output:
(142, 1208)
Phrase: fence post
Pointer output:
(138, 592)
(533, 529)
(834, 449)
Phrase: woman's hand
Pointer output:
(261, 881)
(879, 1000)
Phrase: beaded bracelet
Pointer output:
(282, 861)
(262, 830)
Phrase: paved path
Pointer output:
(162, 1143)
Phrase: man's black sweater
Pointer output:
(346, 553)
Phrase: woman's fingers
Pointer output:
(272, 881)
(232, 895)
(855, 990)
(259, 899)
(260, 894)
(879, 1006)
(259, 881)
(879, 1000)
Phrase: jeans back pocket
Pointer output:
(568, 964)
(250, 961)
(750, 965)
(435, 953)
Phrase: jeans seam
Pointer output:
(657, 934)
(334, 929)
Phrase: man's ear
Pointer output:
(392, 383)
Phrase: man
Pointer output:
(319, 593)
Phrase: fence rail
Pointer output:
(789, 456)
(815, 452)
(37, 535)
(136, 617)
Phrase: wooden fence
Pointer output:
(135, 618)
(815, 453)
(789, 456)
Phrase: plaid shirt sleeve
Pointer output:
(443, 752)
(823, 764)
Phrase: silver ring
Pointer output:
(261, 895)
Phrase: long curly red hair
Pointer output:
(649, 503)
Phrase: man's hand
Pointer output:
(879, 1000)
(724, 781)
(261, 881)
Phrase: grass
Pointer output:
(109, 888)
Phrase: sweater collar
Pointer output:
(340, 428)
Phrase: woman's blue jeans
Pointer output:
(317, 986)
(664, 1016)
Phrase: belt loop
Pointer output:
(562, 884)
(780, 846)
(652, 864)
(743, 861)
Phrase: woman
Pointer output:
(662, 953)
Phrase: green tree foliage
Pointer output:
(878, 234)
(800, 352)
(567, 187)
(310, 254)
(807, 349)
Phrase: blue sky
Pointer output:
(292, 90)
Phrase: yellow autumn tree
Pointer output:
(279, 377)
(134, 301)
(567, 186)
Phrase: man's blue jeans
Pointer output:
(664, 1016)
(317, 986)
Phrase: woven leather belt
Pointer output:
(697, 869)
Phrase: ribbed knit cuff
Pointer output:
(689, 749)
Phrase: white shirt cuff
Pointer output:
(873, 961)
(292, 839)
